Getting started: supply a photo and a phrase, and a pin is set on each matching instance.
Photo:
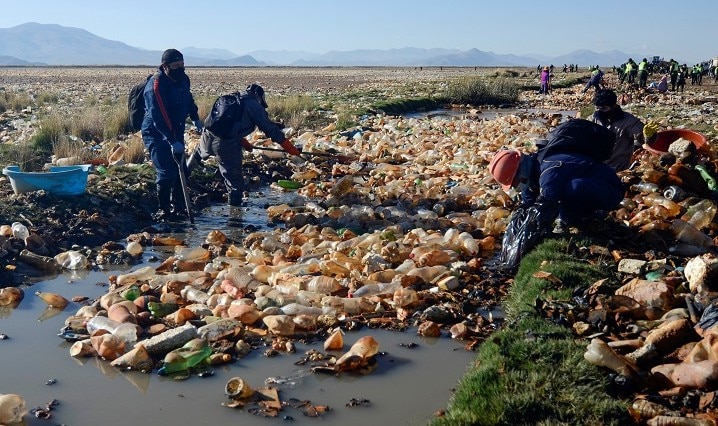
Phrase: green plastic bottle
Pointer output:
(190, 355)
(132, 293)
(289, 184)
(161, 310)
(710, 180)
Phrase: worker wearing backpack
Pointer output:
(168, 103)
(227, 145)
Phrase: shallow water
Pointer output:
(407, 386)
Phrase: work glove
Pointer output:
(198, 125)
(177, 148)
(246, 145)
(650, 130)
(289, 148)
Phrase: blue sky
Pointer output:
(684, 30)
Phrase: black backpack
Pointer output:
(226, 111)
(580, 136)
(136, 104)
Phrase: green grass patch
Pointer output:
(399, 106)
(483, 91)
(533, 371)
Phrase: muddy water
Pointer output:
(407, 387)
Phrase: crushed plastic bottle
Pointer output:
(125, 331)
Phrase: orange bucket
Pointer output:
(665, 138)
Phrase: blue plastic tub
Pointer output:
(60, 180)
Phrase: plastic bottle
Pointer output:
(190, 355)
(599, 353)
(19, 231)
(160, 310)
(72, 260)
(194, 295)
(141, 274)
(687, 233)
(656, 199)
(645, 187)
(297, 309)
(468, 244)
(191, 253)
(11, 295)
(700, 214)
(12, 409)
(125, 331)
(710, 180)
(371, 289)
(132, 293)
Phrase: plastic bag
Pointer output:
(526, 228)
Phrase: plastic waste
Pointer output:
(72, 260)
(53, 300)
(19, 231)
(645, 187)
(700, 214)
(43, 263)
(599, 353)
(191, 253)
(125, 331)
(687, 233)
(710, 180)
(189, 355)
(289, 184)
(11, 295)
(132, 293)
(12, 409)
(525, 229)
(141, 274)
(674, 193)
(237, 388)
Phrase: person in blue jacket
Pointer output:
(168, 103)
(564, 179)
(228, 150)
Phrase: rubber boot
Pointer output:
(179, 208)
(234, 198)
(163, 201)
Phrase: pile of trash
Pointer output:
(399, 236)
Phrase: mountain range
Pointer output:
(33, 44)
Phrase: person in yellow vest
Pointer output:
(631, 71)
(643, 73)
(674, 70)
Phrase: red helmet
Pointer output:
(504, 165)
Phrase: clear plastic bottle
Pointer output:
(141, 274)
(72, 260)
(12, 409)
(194, 295)
(674, 193)
(191, 253)
(468, 244)
(371, 289)
(19, 231)
(599, 353)
(687, 233)
(645, 187)
(700, 214)
(125, 331)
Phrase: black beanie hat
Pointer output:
(605, 97)
(171, 55)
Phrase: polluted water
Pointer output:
(411, 380)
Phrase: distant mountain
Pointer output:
(13, 61)
(283, 57)
(50, 44)
(57, 45)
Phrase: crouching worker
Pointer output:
(232, 118)
(567, 178)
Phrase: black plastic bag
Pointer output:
(525, 230)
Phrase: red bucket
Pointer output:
(665, 138)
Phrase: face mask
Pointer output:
(604, 116)
(176, 74)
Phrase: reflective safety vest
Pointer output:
(642, 66)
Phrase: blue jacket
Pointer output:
(178, 103)
(579, 184)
